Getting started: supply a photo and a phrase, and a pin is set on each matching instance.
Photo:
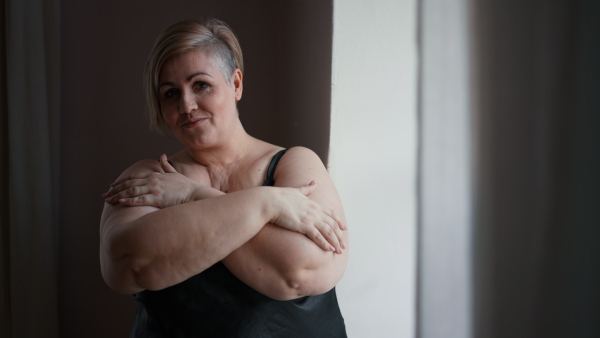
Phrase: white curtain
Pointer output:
(509, 182)
(30, 134)
(445, 185)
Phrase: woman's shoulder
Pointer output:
(293, 153)
(286, 157)
(300, 151)
(145, 165)
(300, 155)
(142, 166)
(153, 164)
(299, 163)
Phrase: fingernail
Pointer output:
(312, 182)
(331, 248)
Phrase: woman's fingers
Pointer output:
(335, 227)
(166, 166)
(331, 237)
(324, 230)
(130, 177)
(315, 235)
(123, 186)
(337, 220)
(130, 181)
(134, 180)
(332, 233)
(129, 192)
(143, 200)
(125, 183)
(308, 189)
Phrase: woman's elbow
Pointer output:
(121, 273)
(315, 278)
(308, 283)
(116, 280)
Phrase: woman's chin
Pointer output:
(196, 143)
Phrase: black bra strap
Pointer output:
(269, 181)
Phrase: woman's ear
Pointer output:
(238, 85)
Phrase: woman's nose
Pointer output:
(187, 104)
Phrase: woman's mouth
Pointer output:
(193, 122)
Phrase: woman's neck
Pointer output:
(233, 151)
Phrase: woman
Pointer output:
(203, 242)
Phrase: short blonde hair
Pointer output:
(211, 35)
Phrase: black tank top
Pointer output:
(215, 303)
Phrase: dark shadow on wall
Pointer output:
(286, 101)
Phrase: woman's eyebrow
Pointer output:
(189, 78)
(166, 84)
(196, 74)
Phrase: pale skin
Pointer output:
(163, 224)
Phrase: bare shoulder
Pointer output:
(299, 166)
(112, 215)
(302, 153)
(147, 165)
(300, 162)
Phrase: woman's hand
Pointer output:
(294, 211)
(156, 189)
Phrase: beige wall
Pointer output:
(287, 49)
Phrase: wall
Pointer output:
(287, 51)
(373, 161)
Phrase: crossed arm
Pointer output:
(276, 240)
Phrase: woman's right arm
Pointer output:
(149, 248)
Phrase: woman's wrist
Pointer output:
(266, 196)
(200, 192)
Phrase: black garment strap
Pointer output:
(269, 181)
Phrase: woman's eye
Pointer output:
(170, 93)
(201, 85)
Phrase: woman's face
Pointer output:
(196, 101)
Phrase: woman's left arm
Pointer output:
(286, 265)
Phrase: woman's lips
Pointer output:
(193, 122)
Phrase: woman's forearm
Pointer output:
(167, 246)
(285, 265)
(147, 248)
